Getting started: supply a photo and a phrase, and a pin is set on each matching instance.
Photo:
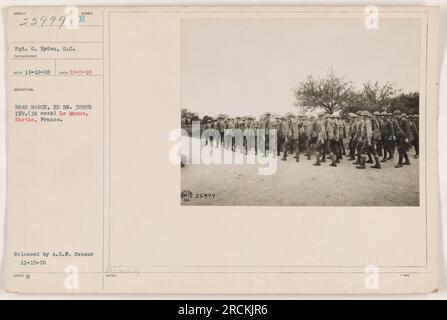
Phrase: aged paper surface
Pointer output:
(96, 204)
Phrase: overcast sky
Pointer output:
(248, 67)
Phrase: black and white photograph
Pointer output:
(300, 112)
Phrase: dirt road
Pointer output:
(301, 184)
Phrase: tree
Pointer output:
(406, 102)
(330, 93)
(206, 118)
(353, 104)
(377, 96)
(188, 116)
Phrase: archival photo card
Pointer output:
(222, 150)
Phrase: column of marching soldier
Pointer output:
(363, 137)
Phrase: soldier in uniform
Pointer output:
(238, 126)
(359, 134)
(410, 136)
(314, 133)
(403, 133)
(249, 135)
(253, 132)
(292, 138)
(333, 137)
(326, 149)
(377, 125)
(387, 133)
(368, 145)
(352, 136)
(321, 144)
(283, 137)
(415, 131)
(302, 138)
(208, 134)
(265, 125)
(282, 124)
(229, 131)
(238, 120)
(242, 126)
(342, 135)
(308, 130)
(221, 128)
(275, 124)
(290, 118)
(215, 127)
(393, 144)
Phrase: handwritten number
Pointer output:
(62, 20)
(44, 21)
(24, 23)
(52, 20)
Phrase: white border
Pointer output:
(442, 142)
